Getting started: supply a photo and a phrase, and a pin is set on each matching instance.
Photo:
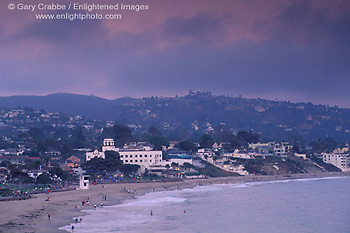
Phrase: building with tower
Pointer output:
(138, 154)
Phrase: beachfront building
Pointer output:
(300, 155)
(136, 153)
(179, 159)
(239, 169)
(341, 161)
(242, 154)
(280, 149)
(142, 154)
(206, 154)
(143, 158)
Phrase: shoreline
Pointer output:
(31, 215)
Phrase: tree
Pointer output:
(235, 143)
(222, 133)
(36, 133)
(50, 143)
(5, 163)
(111, 163)
(100, 165)
(158, 141)
(295, 149)
(154, 131)
(128, 169)
(61, 132)
(188, 165)
(120, 133)
(247, 137)
(44, 178)
(327, 145)
(206, 141)
(297, 141)
(41, 148)
(46, 161)
(66, 149)
(112, 155)
(187, 145)
(59, 172)
(79, 134)
(22, 177)
(35, 164)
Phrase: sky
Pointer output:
(295, 50)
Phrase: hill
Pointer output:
(200, 112)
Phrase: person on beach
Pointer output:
(101, 204)
(151, 213)
(95, 206)
(48, 216)
(72, 228)
(80, 220)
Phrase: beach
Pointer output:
(31, 215)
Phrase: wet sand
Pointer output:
(31, 215)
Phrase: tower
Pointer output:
(108, 144)
(84, 182)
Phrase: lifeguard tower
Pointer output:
(84, 182)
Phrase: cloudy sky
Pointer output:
(275, 49)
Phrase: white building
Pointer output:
(239, 169)
(262, 147)
(281, 149)
(205, 153)
(141, 155)
(242, 154)
(300, 155)
(341, 150)
(179, 159)
(94, 154)
(108, 144)
(84, 182)
(341, 161)
(145, 159)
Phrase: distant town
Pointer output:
(42, 150)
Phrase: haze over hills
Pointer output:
(201, 112)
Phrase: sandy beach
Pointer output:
(31, 215)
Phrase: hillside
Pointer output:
(201, 112)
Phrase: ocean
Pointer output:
(317, 205)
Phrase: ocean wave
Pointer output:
(151, 201)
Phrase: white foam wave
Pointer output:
(149, 201)
(254, 183)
